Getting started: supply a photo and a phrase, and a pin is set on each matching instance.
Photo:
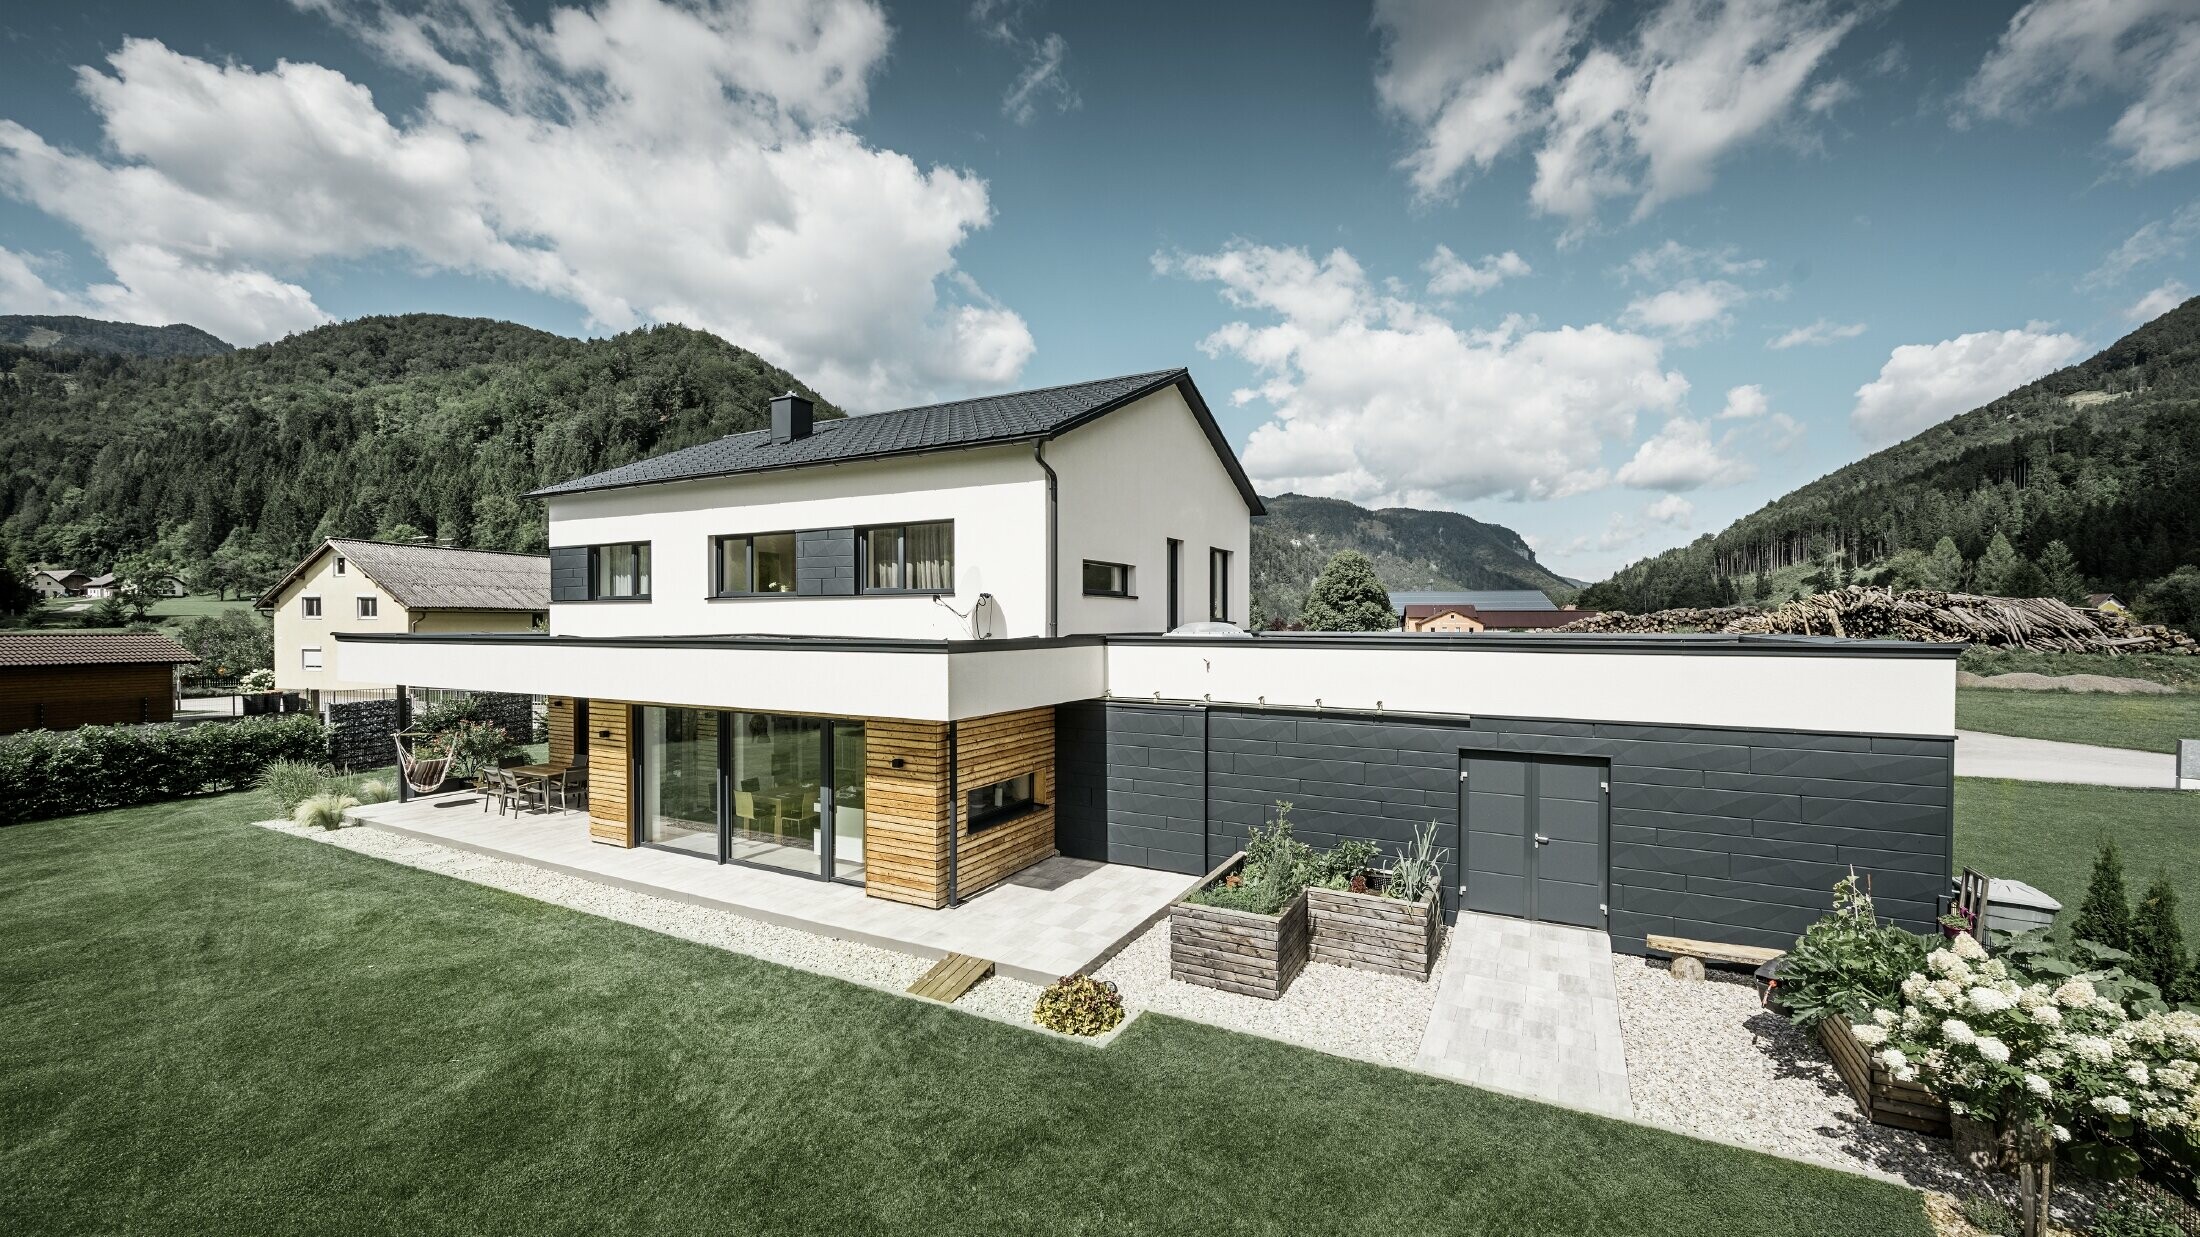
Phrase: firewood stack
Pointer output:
(2038, 624)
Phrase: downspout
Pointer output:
(954, 814)
(1054, 502)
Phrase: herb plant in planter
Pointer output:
(1245, 929)
(1387, 921)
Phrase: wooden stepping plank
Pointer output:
(1712, 951)
(954, 975)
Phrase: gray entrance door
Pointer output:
(1532, 829)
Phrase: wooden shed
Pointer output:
(62, 680)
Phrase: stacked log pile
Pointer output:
(2039, 624)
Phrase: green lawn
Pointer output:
(2147, 723)
(2176, 670)
(169, 609)
(211, 1028)
(2046, 834)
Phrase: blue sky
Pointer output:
(1608, 274)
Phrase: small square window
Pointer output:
(370, 607)
(1107, 579)
(309, 659)
(619, 572)
(309, 607)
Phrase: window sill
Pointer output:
(1113, 596)
(1005, 818)
(591, 601)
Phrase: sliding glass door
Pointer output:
(756, 788)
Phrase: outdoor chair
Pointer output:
(565, 786)
(512, 792)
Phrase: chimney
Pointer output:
(790, 418)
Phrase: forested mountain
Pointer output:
(390, 426)
(2102, 457)
(1411, 550)
(61, 333)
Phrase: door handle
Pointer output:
(1542, 840)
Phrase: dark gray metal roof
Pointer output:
(1019, 416)
(1480, 599)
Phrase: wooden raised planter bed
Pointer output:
(1904, 1105)
(1237, 951)
(1369, 932)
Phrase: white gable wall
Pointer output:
(1129, 482)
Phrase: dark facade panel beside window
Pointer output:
(1107, 579)
(569, 573)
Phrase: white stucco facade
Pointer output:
(307, 655)
(1126, 483)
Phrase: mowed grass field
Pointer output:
(210, 1028)
(2143, 723)
(2046, 834)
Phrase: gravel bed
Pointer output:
(1333, 1009)
(998, 998)
(1706, 1058)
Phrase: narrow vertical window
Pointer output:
(1218, 585)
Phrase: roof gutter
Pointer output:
(1054, 535)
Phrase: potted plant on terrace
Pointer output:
(1386, 920)
(1244, 929)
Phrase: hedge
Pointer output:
(47, 773)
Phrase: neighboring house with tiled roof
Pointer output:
(61, 680)
(60, 582)
(1425, 616)
(1480, 599)
(353, 585)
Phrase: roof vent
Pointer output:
(790, 418)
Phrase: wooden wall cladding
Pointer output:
(560, 720)
(992, 749)
(65, 697)
(610, 796)
(905, 813)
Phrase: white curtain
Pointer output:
(931, 556)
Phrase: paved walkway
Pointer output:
(2040, 760)
(1532, 1009)
(1058, 917)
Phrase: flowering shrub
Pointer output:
(1079, 1005)
(2000, 1050)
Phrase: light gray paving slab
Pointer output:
(1058, 917)
(1532, 1009)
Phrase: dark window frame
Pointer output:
(1218, 584)
(976, 819)
(650, 570)
(1176, 585)
(1125, 577)
(718, 589)
(863, 560)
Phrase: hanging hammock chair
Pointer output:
(424, 768)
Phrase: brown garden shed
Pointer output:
(62, 680)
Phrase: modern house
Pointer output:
(62, 680)
(918, 651)
(348, 585)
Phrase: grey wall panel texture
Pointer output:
(825, 562)
(1724, 835)
(569, 573)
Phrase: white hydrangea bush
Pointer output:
(1999, 1050)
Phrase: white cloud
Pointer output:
(1925, 384)
(2057, 53)
(1044, 79)
(1744, 403)
(1688, 312)
(1377, 399)
(2158, 302)
(1673, 260)
(1449, 274)
(2157, 240)
(1472, 79)
(1670, 509)
(1816, 335)
(1650, 117)
(644, 161)
(1682, 456)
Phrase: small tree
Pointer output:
(2159, 940)
(1991, 575)
(2059, 569)
(1944, 566)
(16, 594)
(2174, 599)
(1348, 597)
(2105, 915)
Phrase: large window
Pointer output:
(754, 565)
(909, 558)
(792, 797)
(1218, 585)
(619, 572)
(1107, 579)
(1001, 801)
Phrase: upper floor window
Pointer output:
(370, 607)
(1107, 579)
(339, 564)
(1218, 585)
(909, 558)
(619, 571)
(751, 565)
(309, 607)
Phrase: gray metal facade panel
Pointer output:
(825, 562)
(1719, 834)
(569, 573)
(1130, 786)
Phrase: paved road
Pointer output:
(2039, 760)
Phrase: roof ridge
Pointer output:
(1060, 386)
(415, 545)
